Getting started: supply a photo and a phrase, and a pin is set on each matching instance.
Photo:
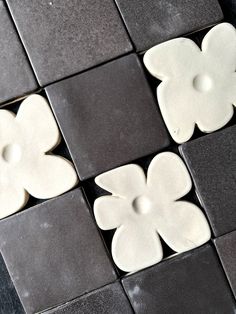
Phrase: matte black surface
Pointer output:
(65, 37)
(9, 300)
(150, 22)
(54, 252)
(16, 78)
(229, 10)
(108, 116)
(110, 299)
(212, 162)
(226, 247)
(191, 283)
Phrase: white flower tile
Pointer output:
(142, 208)
(26, 164)
(198, 85)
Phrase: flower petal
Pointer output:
(219, 45)
(172, 58)
(136, 246)
(12, 198)
(110, 211)
(37, 120)
(48, 176)
(183, 226)
(177, 108)
(168, 178)
(128, 181)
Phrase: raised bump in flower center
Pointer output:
(142, 205)
(12, 153)
(202, 83)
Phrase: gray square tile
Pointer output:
(110, 299)
(191, 282)
(65, 37)
(108, 116)
(54, 252)
(211, 160)
(16, 77)
(151, 22)
(9, 300)
(226, 247)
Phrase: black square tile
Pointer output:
(65, 37)
(9, 300)
(226, 247)
(191, 282)
(212, 162)
(154, 21)
(110, 299)
(108, 116)
(16, 77)
(54, 252)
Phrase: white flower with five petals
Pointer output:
(198, 85)
(141, 209)
(26, 166)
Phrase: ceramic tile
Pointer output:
(226, 249)
(154, 21)
(212, 162)
(192, 282)
(54, 253)
(63, 38)
(110, 299)
(17, 77)
(9, 300)
(108, 116)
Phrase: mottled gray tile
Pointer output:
(151, 22)
(191, 282)
(108, 116)
(16, 77)
(212, 162)
(66, 37)
(226, 247)
(110, 299)
(54, 252)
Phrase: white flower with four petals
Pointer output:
(198, 85)
(142, 208)
(26, 165)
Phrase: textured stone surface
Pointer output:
(9, 300)
(64, 37)
(108, 116)
(17, 77)
(212, 162)
(54, 253)
(150, 22)
(192, 282)
(226, 247)
(110, 299)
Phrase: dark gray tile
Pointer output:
(110, 299)
(108, 116)
(191, 282)
(226, 247)
(212, 162)
(9, 300)
(154, 21)
(16, 77)
(65, 37)
(54, 252)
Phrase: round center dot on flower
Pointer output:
(11, 153)
(142, 204)
(202, 82)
